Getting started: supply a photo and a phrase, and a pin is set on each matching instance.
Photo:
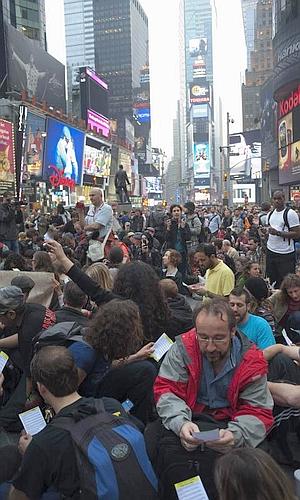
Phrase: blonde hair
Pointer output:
(100, 274)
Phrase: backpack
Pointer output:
(111, 455)
(59, 334)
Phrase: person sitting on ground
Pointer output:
(230, 250)
(74, 300)
(215, 373)
(41, 262)
(99, 272)
(250, 474)
(15, 262)
(284, 366)
(286, 306)
(250, 270)
(181, 319)
(171, 260)
(136, 281)
(260, 306)
(229, 261)
(115, 257)
(25, 283)
(112, 360)
(254, 253)
(254, 327)
(219, 277)
(49, 458)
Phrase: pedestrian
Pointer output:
(121, 182)
(177, 235)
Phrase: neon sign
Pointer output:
(57, 179)
(287, 105)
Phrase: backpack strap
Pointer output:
(269, 217)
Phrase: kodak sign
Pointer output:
(287, 105)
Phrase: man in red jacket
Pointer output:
(213, 372)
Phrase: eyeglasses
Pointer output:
(216, 342)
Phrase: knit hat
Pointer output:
(24, 282)
(11, 298)
(257, 287)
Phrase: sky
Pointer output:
(164, 68)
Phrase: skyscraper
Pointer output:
(28, 17)
(261, 64)
(249, 9)
(121, 57)
(80, 51)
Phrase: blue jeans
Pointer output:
(13, 245)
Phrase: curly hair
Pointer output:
(138, 281)
(15, 261)
(174, 256)
(99, 272)
(116, 331)
(289, 281)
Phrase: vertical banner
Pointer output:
(7, 157)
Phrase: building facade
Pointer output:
(249, 9)
(261, 61)
(27, 17)
(286, 93)
(80, 49)
(121, 56)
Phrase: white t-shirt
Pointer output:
(278, 244)
(102, 215)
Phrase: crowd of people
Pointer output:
(120, 421)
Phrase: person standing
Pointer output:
(121, 181)
(193, 222)
(214, 222)
(9, 218)
(283, 228)
(177, 235)
(100, 215)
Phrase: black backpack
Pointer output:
(111, 455)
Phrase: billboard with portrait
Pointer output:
(201, 160)
(97, 159)
(197, 47)
(35, 126)
(7, 157)
(32, 69)
(63, 154)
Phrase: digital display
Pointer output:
(97, 160)
(93, 95)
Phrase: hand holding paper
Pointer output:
(33, 421)
(207, 436)
(161, 346)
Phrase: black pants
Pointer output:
(123, 194)
(135, 382)
(279, 265)
(283, 368)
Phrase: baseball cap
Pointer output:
(11, 297)
(25, 283)
(131, 233)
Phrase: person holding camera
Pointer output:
(177, 235)
(10, 216)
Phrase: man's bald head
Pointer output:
(96, 196)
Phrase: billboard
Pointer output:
(245, 154)
(94, 101)
(7, 157)
(63, 154)
(142, 115)
(201, 164)
(199, 93)
(135, 180)
(97, 159)
(154, 185)
(35, 126)
(197, 47)
(289, 138)
(124, 158)
(32, 69)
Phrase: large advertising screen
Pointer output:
(97, 159)
(245, 154)
(289, 139)
(35, 127)
(197, 47)
(199, 93)
(202, 164)
(7, 157)
(94, 101)
(63, 154)
(32, 69)
(154, 185)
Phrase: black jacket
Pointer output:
(171, 236)
(70, 314)
(121, 179)
(181, 320)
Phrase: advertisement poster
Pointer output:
(289, 147)
(63, 154)
(245, 154)
(135, 180)
(197, 47)
(97, 161)
(199, 93)
(34, 144)
(201, 160)
(32, 69)
(154, 185)
(7, 157)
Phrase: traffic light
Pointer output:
(225, 177)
